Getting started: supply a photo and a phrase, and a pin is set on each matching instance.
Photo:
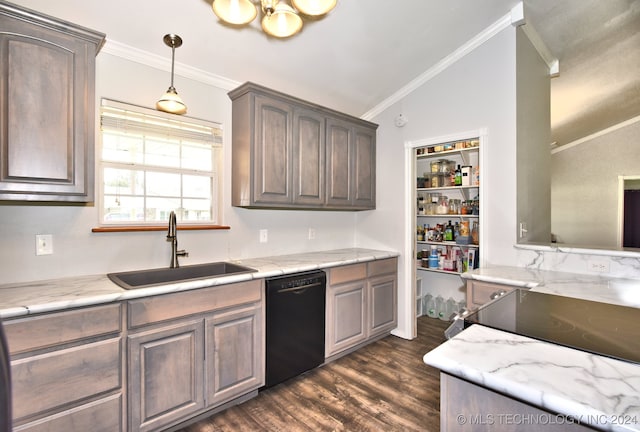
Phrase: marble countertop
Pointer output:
(603, 392)
(57, 294)
(620, 291)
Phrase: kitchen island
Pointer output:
(497, 380)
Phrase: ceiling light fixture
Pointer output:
(170, 101)
(279, 19)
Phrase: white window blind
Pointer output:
(152, 163)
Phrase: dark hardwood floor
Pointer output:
(384, 386)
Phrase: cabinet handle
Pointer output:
(497, 294)
(300, 289)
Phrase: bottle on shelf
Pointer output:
(448, 232)
(458, 177)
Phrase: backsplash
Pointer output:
(611, 263)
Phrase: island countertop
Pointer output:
(58, 294)
(601, 392)
(625, 292)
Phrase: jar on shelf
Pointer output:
(454, 206)
(443, 205)
(435, 166)
(475, 235)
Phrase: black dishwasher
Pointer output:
(294, 324)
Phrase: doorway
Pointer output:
(629, 211)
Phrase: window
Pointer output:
(152, 163)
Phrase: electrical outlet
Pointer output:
(312, 233)
(599, 266)
(44, 244)
(264, 236)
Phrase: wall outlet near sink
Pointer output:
(312, 233)
(264, 236)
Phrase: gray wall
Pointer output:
(584, 187)
(533, 138)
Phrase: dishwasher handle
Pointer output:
(299, 289)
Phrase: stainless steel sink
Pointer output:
(162, 276)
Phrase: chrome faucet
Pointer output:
(172, 236)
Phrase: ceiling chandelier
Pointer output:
(279, 19)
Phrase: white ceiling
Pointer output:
(364, 51)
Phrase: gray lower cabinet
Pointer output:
(479, 293)
(289, 153)
(166, 375)
(361, 304)
(46, 107)
(233, 365)
(468, 407)
(192, 351)
(67, 370)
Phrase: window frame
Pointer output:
(216, 174)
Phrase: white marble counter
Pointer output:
(620, 291)
(594, 390)
(45, 296)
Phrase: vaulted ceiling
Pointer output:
(364, 51)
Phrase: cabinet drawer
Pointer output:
(481, 292)
(56, 378)
(381, 267)
(165, 307)
(347, 273)
(26, 334)
(103, 415)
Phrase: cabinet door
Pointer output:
(346, 316)
(166, 374)
(235, 353)
(364, 168)
(382, 304)
(351, 165)
(339, 162)
(272, 151)
(308, 157)
(46, 111)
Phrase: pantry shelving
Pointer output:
(447, 205)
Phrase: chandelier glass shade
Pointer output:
(279, 19)
(170, 101)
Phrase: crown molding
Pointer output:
(128, 52)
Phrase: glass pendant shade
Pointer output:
(172, 103)
(237, 12)
(314, 7)
(283, 22)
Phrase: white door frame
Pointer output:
(410, 197)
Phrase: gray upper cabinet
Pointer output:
(46, 107)
(351, 162)
(289, 153)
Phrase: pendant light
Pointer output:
(279, 18)
(170, 101)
